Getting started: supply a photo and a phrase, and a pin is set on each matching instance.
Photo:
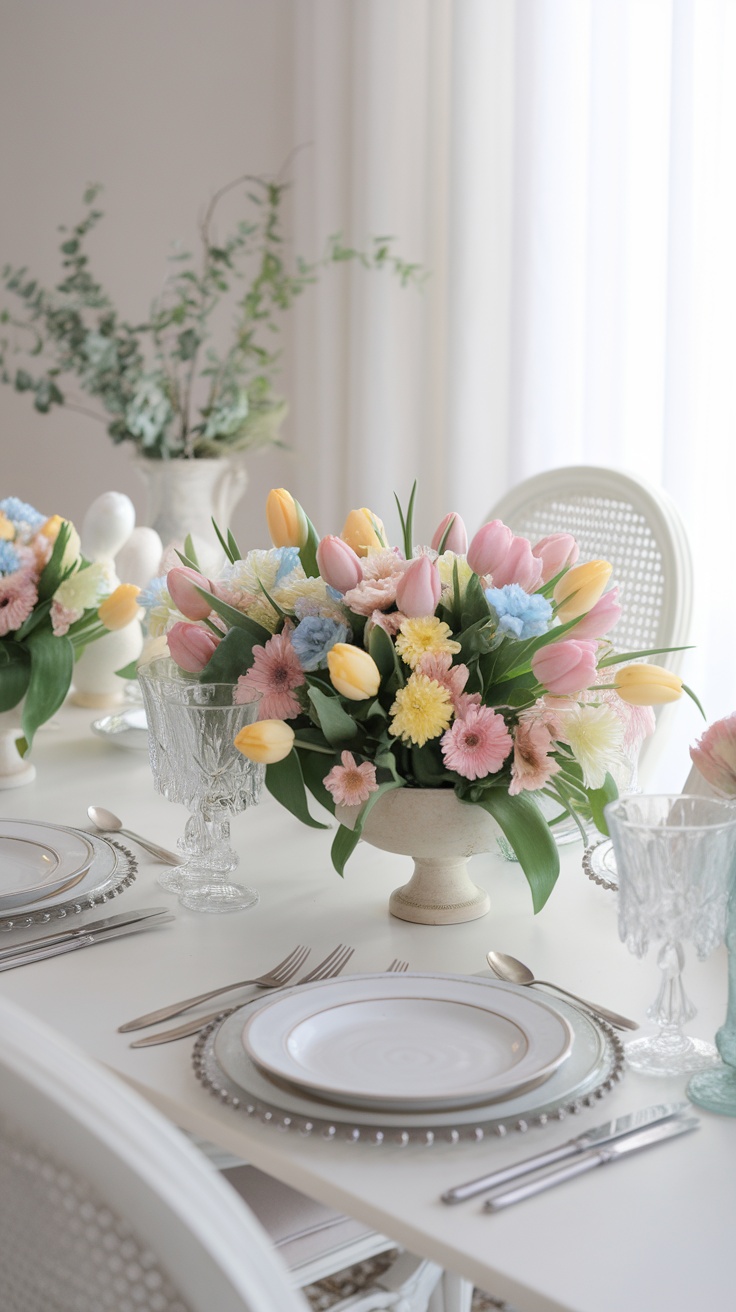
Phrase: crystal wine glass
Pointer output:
(673, 857)
(191, 732)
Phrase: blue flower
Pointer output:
(156, 593)
(314, 637)
(523, 614)
(288, 558)
(9, 558)
(19, 512)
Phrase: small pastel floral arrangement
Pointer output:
(714, 756)
(53, 603)
(483, 667)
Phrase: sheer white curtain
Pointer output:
(566, 173)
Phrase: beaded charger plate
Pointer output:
(599, 864)
(111, 870)
(223, 1066)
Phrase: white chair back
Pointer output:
(105, 1205)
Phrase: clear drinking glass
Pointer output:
(191, 731)
(673, 856)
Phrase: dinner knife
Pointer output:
(85, 941)
(78, 931)
(631, 1143)
(609, 1132)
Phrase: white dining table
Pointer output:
(651, 1233)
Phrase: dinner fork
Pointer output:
(327, 969)
(271, 979)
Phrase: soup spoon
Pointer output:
(109, 823)
(515, 972)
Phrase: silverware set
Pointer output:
(83, 936)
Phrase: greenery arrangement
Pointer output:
(161, 383)
(484, 667)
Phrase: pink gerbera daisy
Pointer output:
(273, 676)
(18, 596)
(351, 784)
(478, 744)
(532, 765)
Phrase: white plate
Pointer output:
(221, 1063)
(38, 860)
(111, 869)
(412, 1041)
(599, 864)
(127, 728)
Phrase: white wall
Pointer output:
(162, 101)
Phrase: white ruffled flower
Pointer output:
(595, 736)
(86, 588)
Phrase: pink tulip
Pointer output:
(191, 646)
(338, 564)
(180, 582)
(518, 566)
(418, 589)
(600, 618)
(556, 552)
(489, 547)
(565, 667)
(715, 755)
(457, 537)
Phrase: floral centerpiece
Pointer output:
(483, 668)
(53, 603)
(161, 383)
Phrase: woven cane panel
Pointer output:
(62, 1249)
(609, 529)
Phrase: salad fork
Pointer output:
(332, 965)
(271, 979)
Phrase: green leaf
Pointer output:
(308, 553)
(129, 671)
(235, 617)
(231, 658)
(15, 671)
(314, 768)
(599, 798)
(529, 835)
(53, 574)
(636, 655)
(190, 552)
(338, 727)
(475, 608)
(34, 619)
(343, 845)
(285, 782)
(52, 666)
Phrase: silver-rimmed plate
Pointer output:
(599, 864)
(125, 728)
(409, 1042)
(221, 1064)
(38, 860)
(112, 869)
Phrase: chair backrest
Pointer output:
(104, 1204)
(616, 517)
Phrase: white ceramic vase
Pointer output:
(440, 833)
(184, 496)
(15, 770)
(95, 682)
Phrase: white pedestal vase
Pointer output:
(15, 770)
(440, 833)
(184, 496)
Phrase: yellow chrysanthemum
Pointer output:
(421, 710)
(422, 637)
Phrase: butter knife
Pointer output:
(631, 1143)
(609, 1132)
(84, 941)
(78, 931)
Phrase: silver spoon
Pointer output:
(513, 970)
(109, 823)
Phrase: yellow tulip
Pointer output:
(287, 523)
(580, 588)
(265, 742)
(7, 529)
(51, 528)
(363, 530)
(353, 672)
(120, 608)
(647, 685)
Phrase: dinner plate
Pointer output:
(126, 728)
(411, 1041)
(111, 869)
(222, 1065)
(38, 860)
(599, 864)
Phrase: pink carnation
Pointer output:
(478, 744)
(382, 571)
(274, 674)
(390, 621)
(351, 784)
(62, 617)
(18, 596)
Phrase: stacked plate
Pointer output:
(417, 1043)
(46, 870)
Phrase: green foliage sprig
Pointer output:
(161, 383)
